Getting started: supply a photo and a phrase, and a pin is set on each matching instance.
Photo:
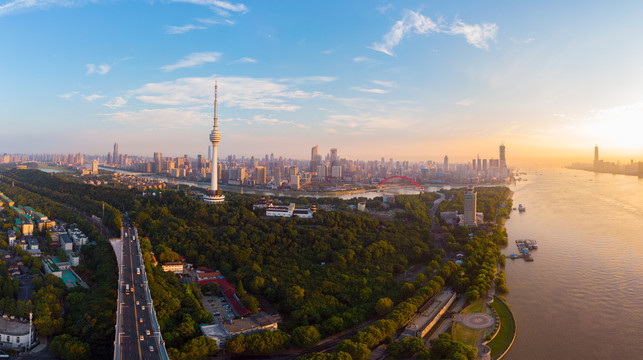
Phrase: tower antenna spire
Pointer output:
(215, 103)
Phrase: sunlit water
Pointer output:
(582, 297)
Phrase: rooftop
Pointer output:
(13, 327)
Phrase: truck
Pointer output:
(127, 288)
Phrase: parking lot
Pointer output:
(219, 308)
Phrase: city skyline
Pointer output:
(403, 80)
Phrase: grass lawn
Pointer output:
(505, 335)
(462, 333)
(465, 335)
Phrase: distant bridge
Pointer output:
(405, 178)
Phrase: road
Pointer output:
(137, 337)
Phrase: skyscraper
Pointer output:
(116, 158)
(470, 198)
(503, 160)
(333, 156)
(596, 155)
(214, 195)
(158, 166)
(446, 163)
(313, 157)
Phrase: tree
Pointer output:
(357, 351)
(68, 347)
(405, 348)
(305, 336)
(383, 306)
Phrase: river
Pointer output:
(582, 297)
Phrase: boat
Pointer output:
(521, 208)
(534, 244)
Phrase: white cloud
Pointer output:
(183, 29)
(68, 95)
(372, 91)
(193, 60)
(466, 102)
(411, 21)
(476, 35)
(364, 122)
(222, 8)
(101, 69)
(383, 83)
(16, 6)
(360, 59)
(246, 60)
(93, 97)
(309, 79)
(116, 102)
(326, 52)
(241, 92)
(169, 118)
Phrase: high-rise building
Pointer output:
(116, 158)
(313, 157)
(503, 160)
(470, 198)
(294, 182)
(446, 163)
(596, 155)
(214, 195)
(95, 167)
(260, 178)
(158, 166)
(278, 176)
(336, 171)
(333, 156)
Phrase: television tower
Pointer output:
(214, 195)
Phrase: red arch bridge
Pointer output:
(405, 178)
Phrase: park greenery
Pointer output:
(506, 333)
(324, 274)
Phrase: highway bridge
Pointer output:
(138, 335)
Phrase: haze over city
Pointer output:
(408, 80)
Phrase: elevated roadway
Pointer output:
(138, 335)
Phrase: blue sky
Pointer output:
(410, 80)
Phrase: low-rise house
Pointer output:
(173, 266)
(248, 325)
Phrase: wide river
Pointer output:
(582, 297)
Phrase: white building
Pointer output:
(77, 237)
(15, 334)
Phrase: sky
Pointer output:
(408, 80)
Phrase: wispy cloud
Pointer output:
(523, 41)
(384, 8)
(116, 102)
(169, 118)
(327, 52)
(372, 91)
(476, 35)
(101, 69)
(194, 59)
(412, 21)
(93, 97)
(15, 6)
(183, 29)
(241, 92)
(216, 21)
(68, 95)
(246, 60)
(383, 83)
(222, 8)
(466, 102)
(360, 59)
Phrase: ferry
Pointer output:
(521, 208)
